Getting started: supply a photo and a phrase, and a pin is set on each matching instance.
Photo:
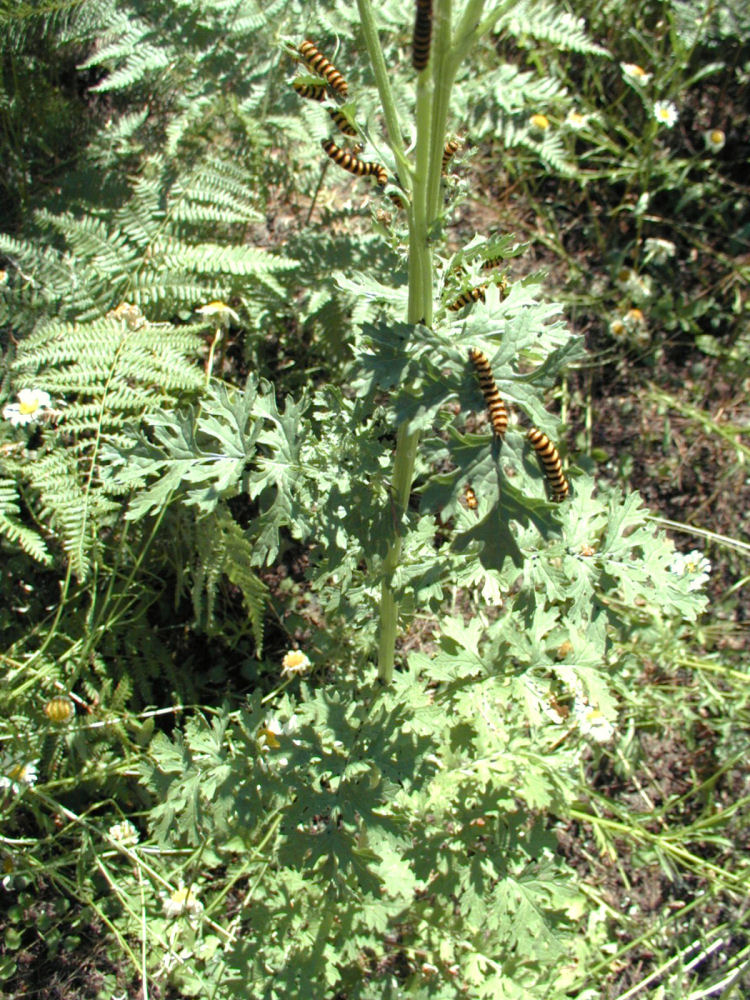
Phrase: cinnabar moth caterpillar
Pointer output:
(341, 122)
(470, 497)
(420, 55)
(471, 295)
(312, 91)
(451, 148)
(487, 265)
(59, 709)
(495, 405)
(320, 65)
(550, 459)
(347, 160)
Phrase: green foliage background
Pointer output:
(215, 488)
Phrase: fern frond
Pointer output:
(106, 360)
(217, 258)
(141, 60)
(216, 191)
(236, 566)
(550, 149)
(75, 514)
(223, 550)
(152, 251)
(110, 375)
(545, 22)
(510, 90)
(11, 528)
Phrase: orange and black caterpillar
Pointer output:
(471, 295)
(313, 91)
(420, 55)
(323, 67)
(341, 122)
(449, 151)
(470, 498)
(487, 265)
(495, 405)
(362, 168)
(550, 459)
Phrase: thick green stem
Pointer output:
(433, 96)
(419, 311)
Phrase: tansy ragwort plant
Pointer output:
(454, 32)
(371, 831)
(420, 174)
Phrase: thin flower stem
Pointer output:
(691, 529)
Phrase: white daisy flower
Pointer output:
(634, 319)
(224, 313)
(19, 774)
(635, 73)
(715, 139)
(695, 565)
(638, 286)
(274, 735)
(124, 833)
(295, 662)
(665, 112)
(575, 120)
(617, 328)
(31, 405)
(182, 900)
(591, 722)
(657, 250)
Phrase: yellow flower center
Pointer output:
(181, 896)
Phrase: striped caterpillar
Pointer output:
(550, 459)
(341, 122)
(495, 406)
(449, 151)
(420, 55)
(348, 161)
(312, 91)
(323, 67)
